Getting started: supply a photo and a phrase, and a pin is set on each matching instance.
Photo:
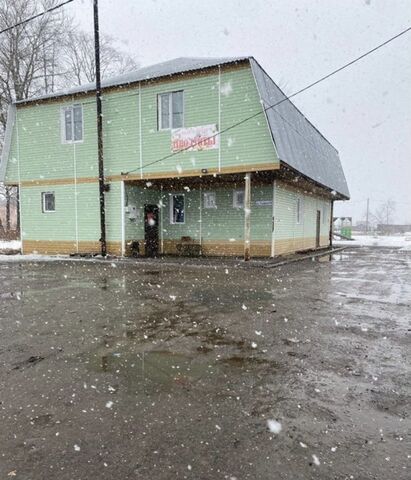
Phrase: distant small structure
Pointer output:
(391, 229)
(343, 226)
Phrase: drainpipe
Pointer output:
(101, 183)
(331, 223)
(247, 217)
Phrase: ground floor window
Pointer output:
(238, 199)
(210, 200)
(48, 202)
(177, 208)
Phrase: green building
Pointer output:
(194, 162)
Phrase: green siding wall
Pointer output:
(61, 224)
(43, 155)
(222, 223)
(58, 225)
(286, 226)
(131, 138)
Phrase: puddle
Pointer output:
(158, 370)
(335, 257)
(162, 370)
(247, 362)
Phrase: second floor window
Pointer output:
(170, 110)
(72, 124)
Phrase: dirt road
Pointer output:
(131, 371)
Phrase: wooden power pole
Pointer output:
(101, 182)
(247, 216)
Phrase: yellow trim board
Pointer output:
(151, 176)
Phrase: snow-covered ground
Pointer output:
(396, 241)
(10, 245)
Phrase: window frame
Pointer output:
(206, 195)
(235, 199)
(63, 111)
(324, 211)
(43, 202)
(299, 210)
(170, 110)
(172, 195)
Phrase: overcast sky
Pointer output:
(364, 111)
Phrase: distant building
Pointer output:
(390, 229)
(176, 169)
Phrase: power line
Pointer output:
(23, 22)
(298, 92)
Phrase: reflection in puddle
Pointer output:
(335, 257)
(323, 259)
(340, 256)
(155, 371)
(160, 369)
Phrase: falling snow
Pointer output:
(274, 426)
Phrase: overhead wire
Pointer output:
(40, 14)
(264, 110)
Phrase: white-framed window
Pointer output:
(48, 202)
(324, 212)
(177, 208)
(238, 199)
(72, 124)
(299, 210)
(170, 110)
(210, 200)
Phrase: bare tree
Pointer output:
(79, 58)
(28, 62)
(48, 53)
(44, 55)
(8, 208)
(385, 214)
(28, 53)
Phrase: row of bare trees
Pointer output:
(47, 54)
(383, 214)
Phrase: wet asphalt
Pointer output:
(149, 371)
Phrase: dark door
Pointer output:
(317, 232)
(151, 230)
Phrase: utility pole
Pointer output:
(102, 186)
(367, 215)
(247, 215)
(331, 232)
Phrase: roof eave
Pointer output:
(59, 96)
(336, 195)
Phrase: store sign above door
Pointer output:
(194, 139)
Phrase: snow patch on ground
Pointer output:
(395, 241)
(10, 244)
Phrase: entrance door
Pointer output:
(318, 227)
(151, 230)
